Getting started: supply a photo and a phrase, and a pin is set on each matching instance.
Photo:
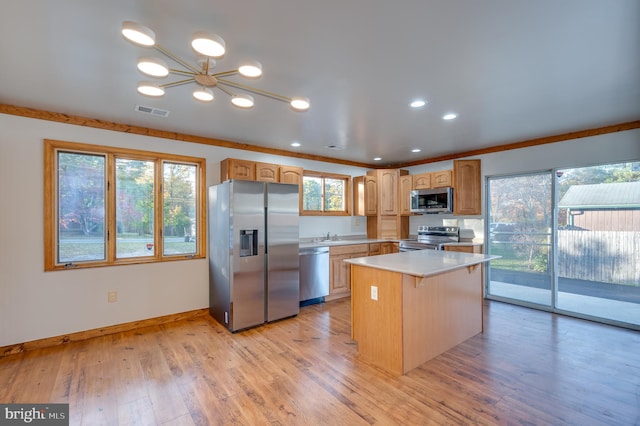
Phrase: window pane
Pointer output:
(179, 190)
(134, 208)
(312, 193)
(334, 199)
(81, 207)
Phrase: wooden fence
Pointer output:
(604, 256)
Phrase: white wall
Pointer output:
(35, 304)
(609, 148)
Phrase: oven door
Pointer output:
(412, 245)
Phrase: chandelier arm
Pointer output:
(177, 83)
(181, 72)
(225, 73)
(254, 90)
(175, 58)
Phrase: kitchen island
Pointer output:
(407, 308)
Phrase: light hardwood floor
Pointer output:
(528, 367)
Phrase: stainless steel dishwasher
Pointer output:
(314, 274)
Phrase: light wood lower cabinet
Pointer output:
(477, 248)
(340, 271)
(390, 247)
(383, 248)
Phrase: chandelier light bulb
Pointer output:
(150, 89)
(203, 94)
(138, 34)
(251, 69)
(242, 101)
(300, 103)
(206, 63)
(153, 66)
(208, 44)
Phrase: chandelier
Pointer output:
(209, 46)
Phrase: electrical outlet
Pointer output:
(358, 221)
(374, 292)
(112, 296)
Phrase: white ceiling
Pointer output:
(512, 70)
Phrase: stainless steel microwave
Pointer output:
(438, 200)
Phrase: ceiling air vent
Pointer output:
(153, 111)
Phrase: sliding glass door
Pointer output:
(520, 219)
(598, 242)
(584, 259)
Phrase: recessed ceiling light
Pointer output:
(416, 150)
(418, 103)
(449, 116)
(377, 159)
(295, 143)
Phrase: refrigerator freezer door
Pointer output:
(283, 279)
(247, 287)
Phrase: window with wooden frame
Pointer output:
(112, 206)
(325, 194)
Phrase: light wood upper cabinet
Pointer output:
(422, 181)
(358, 196)
(388, 191)
(387, 181)
(266, 172)
(232, 168)
(467, 183)
(291, 174)
(370, 196)
(441, 179)
(365, 196)
(429, 180)
(388, 223)
(404, 192)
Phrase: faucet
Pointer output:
(328, 236)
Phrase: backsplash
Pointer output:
(476, 224)
(317, 226)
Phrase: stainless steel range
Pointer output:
(431, 238)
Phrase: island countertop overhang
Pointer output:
(422, 263)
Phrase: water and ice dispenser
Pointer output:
(248, 242)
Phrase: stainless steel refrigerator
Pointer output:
(253, 253)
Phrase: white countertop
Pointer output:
(342, 242)
(422, 263)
